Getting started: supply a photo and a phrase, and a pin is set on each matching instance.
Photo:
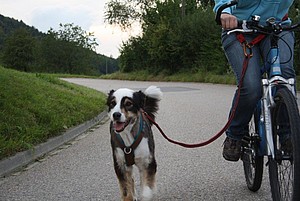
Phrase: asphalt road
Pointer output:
(189, 112)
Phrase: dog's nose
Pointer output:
(116, 115)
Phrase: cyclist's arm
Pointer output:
(219, 3)
(228, 20)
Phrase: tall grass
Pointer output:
(35, 107)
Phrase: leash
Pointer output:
(247, 47)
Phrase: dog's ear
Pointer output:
(139, 99)
(109, 96)
(111, 92)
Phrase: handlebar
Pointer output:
(253, 25)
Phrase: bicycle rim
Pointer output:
(252, 162)
(284, 170)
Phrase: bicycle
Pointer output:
(267, 126)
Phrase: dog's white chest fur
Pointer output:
(141, 154)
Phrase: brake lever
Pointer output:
(240, 30)
(244, 28)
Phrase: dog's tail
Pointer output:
(154, 92)
(153, 96)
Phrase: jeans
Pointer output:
(251, 89)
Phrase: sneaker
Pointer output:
(232, 149)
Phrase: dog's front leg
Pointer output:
(148, 180)
(127, 187)
(126, 182)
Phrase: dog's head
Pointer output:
(125, 104)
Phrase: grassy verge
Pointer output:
(35, 107)
(179, 77)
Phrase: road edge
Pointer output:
(13, 163)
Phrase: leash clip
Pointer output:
(247, 47)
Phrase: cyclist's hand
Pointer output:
(228, 21)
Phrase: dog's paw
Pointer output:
(154, 92)
(147, 194)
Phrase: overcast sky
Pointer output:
(88, 14)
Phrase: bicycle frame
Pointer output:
(269, 85)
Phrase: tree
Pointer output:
(18, 50)
(173, 42)
(68, 50)
(74, 34)
(126, 12)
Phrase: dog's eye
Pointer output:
(128, 104)
(112, 104)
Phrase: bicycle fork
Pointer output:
(265, 120)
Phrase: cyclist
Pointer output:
(251, 90)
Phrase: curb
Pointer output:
(21, 159)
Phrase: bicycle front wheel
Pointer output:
(252, 161)
(284, 170)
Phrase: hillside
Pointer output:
(9, 25)
(35, 107)
(25, 48)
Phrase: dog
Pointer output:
(132, 139)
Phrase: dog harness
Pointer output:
(129, 150)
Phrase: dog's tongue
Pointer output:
(119, 126)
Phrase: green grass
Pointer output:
(204, 77)
(35, 107)
(178, 77)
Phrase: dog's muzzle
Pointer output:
(119, 126)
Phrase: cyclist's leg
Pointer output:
(251, 89)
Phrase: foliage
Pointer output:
(172, 42)
(18, 50)
(35, 107)
(74, 35)
(63, 56)
(143, 75)
(179, 36)
(295, 15)
(67, 50)
(125, 12)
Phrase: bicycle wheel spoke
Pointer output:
(285, 179)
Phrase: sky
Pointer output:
(88, 14)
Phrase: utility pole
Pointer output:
(183, 8)
(106, 66)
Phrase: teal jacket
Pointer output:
(264, 8)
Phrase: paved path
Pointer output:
(189, 112)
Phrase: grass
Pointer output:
(178, 77)
(35, 107)
(204, 77)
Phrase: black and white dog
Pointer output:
(132, 139)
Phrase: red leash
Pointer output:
(216, 136)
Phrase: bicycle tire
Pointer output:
(252, 161)
(284, 170)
